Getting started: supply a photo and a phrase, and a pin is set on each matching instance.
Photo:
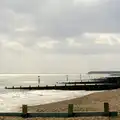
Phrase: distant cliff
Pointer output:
(104, 72)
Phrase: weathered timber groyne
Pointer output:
(70, 87)
(103, 80)
(106, 83)
(71, 113)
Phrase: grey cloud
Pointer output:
(85, 49)
(72, 20)
(59, 20)
(6, 21)
(90, 50)
(56, 18)
(28, 21)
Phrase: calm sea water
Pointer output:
(11, 100)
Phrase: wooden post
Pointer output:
(70, 109)
(106, 107)
(67, 77)
(24, 110)
(80, 77)
(38, 80)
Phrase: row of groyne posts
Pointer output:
(89, 83)
(75, 83)
(68, 82)
(39, 80)
(66, 79)
(70, 113)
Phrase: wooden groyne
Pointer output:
(105, 80)
(70, 113)
(70, 87)
(106, 83)
(84, 83)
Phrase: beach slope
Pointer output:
(91, 102)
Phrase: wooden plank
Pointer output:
(59, 115)
(11, 114)
(88, 114)
(113, 114)
(78, 114)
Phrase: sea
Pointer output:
(12, 100)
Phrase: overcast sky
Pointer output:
(59, 36)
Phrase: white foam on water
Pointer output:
(11, 101)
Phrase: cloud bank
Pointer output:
(71, 34)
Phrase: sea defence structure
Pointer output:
(106, 83)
